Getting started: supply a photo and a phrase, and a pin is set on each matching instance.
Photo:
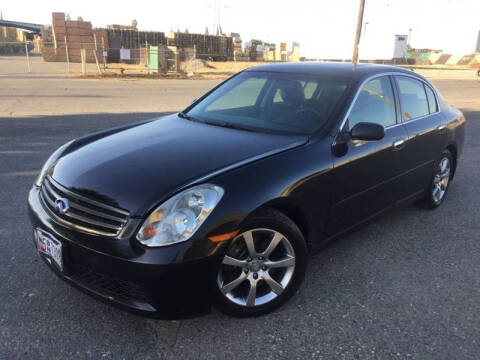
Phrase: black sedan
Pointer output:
(222, 203)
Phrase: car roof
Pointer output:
(335, 69)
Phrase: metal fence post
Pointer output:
(28, 58)
(84, 61)
(96, 61)
(103, 54)
(147, 50)
(68, 57)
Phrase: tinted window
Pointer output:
(309, 89)
(292, 103)
(412, 97)
(243, 95)
(375, 103)
(432, 103)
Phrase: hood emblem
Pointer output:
(61, 206)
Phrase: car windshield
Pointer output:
(271, 101)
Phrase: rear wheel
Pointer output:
(440, 181)
(262, 267)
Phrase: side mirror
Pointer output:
(367, 131)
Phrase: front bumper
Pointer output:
(157, 282)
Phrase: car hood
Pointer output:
(138, 167)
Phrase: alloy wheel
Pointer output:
(441, 180)
(257, 267)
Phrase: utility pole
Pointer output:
(410, 37)
(358, 34)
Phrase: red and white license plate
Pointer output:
(50, 247)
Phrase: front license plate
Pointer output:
(50, 247)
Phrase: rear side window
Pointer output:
(375, 103)
(432, 103)
(412, 98)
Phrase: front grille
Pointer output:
(120, 290)
(82, 213)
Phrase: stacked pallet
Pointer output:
(237, 46)
(216, 47)
(133, 39)
(71, 36)
(8, 34)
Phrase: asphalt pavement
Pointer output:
(406, 286)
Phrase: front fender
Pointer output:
(299, 180)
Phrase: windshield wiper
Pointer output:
(188, 117)
(229, 125)
(215, 123)
(184, 116)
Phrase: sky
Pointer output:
(324, 28)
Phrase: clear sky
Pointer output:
(324, 28)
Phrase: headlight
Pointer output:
(178, 218)
(56, 154)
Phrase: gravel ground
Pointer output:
(406, 286)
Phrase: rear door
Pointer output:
(367, 173)
(426, 128)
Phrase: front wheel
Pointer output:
(262, 267)
(440, 181)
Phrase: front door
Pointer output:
(368, 172)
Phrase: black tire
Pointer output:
(277, 222)
(429, 202)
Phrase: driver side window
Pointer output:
(375, 104)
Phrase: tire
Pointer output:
(249, 269)
(432, 199)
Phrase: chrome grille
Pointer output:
(82, 213)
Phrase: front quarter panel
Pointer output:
(300, 178)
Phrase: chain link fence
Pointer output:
(92, 58)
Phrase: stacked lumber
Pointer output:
(237, 46)
(78, 35)
(217, 47)
(8, 34)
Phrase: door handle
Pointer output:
(398, 144)
(441, 127)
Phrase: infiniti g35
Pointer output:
(222, 203)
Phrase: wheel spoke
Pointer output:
(286, 262)
(252, 293)
(436, 193)
(274, 285)
(277, 237)
(248, 237)
(442, 165)
(233, 284)
(227, 260)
